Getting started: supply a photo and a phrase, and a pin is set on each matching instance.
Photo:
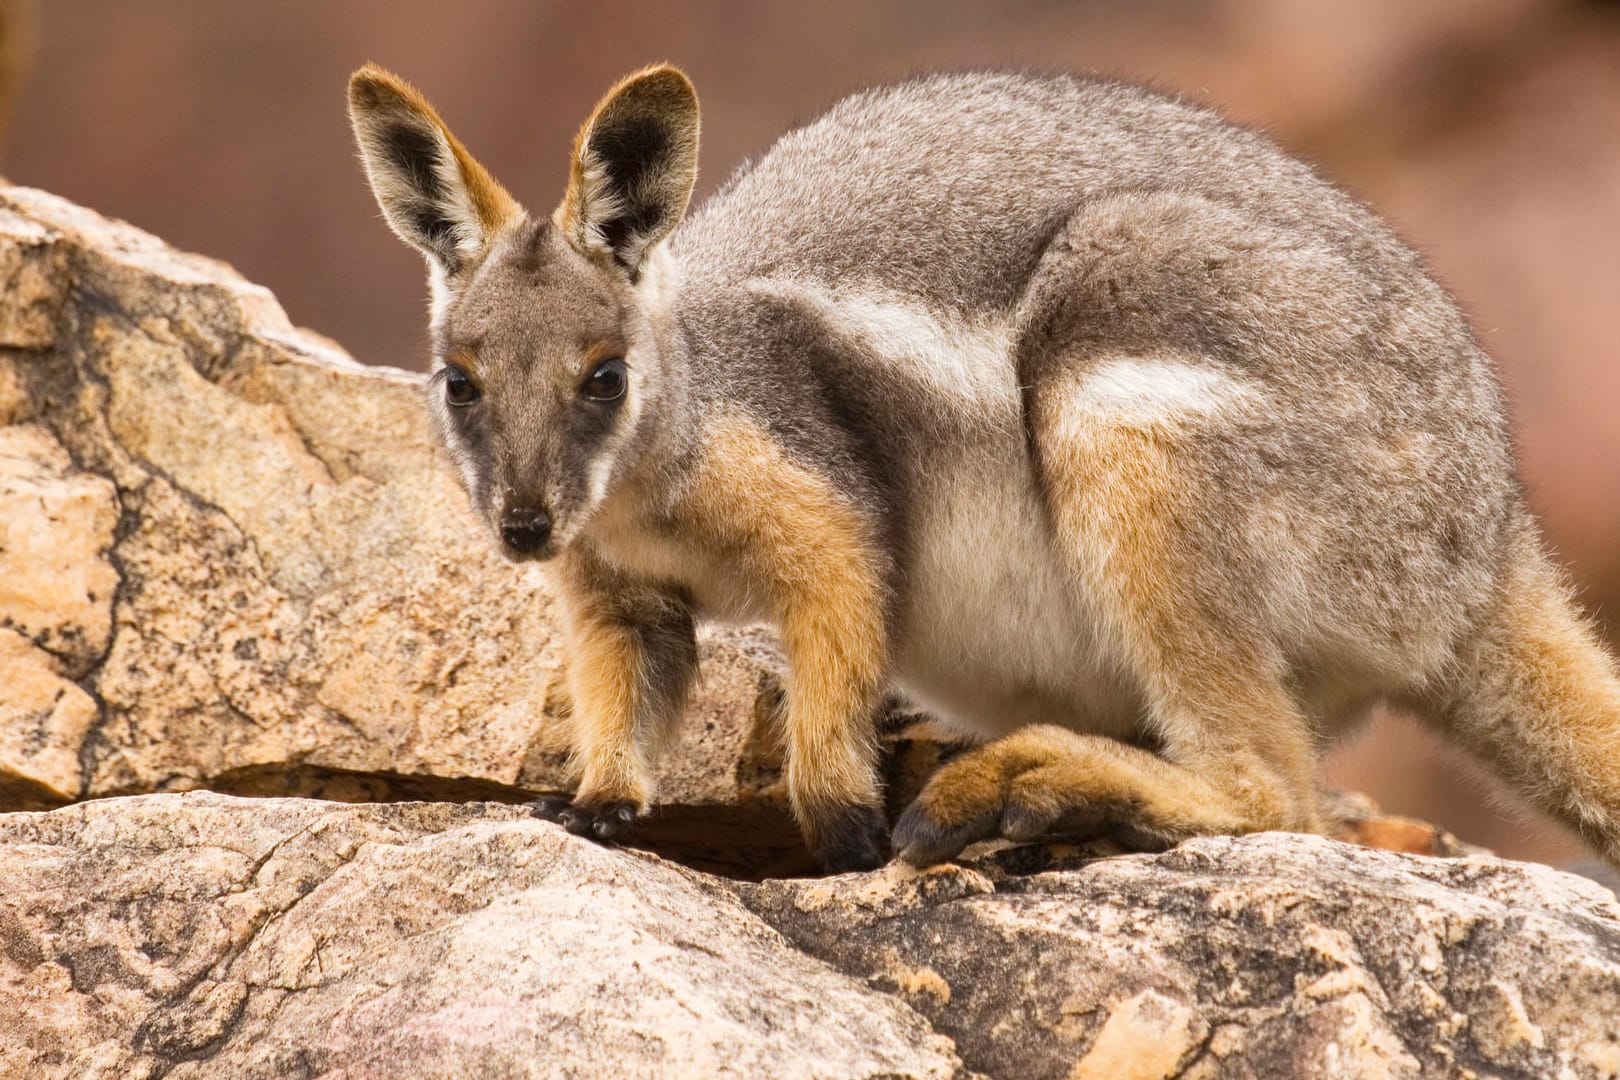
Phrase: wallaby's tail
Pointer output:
(1538, 697)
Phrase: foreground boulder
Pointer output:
(1264, 956)
(205, 935)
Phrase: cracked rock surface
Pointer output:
(1265, 956)
(231, 559)
(207, 935)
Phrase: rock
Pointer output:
(191, 935)
(56, 527)
(201, 934)
(34, 280)
(1266, 956)
(56, 595)
(238, 562)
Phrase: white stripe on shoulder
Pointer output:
(1151, 391)
(956, 355)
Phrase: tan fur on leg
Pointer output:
(602, 674)
(1213, 684)
(630, 661)
(1044, 779)
(805, 546)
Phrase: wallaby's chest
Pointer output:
(990, 627)
(718, 581)
(995, 631)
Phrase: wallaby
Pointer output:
(1095, 425)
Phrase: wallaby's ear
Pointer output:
(434, 195)
(635, 162)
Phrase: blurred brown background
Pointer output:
(1487, 130)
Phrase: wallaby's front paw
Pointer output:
(604, 821)
(549, 807)
(852, 838)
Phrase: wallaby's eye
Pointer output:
(459, 390)
(606, 381)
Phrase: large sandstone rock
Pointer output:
(201, 935)
(1264, 956)
(205, 935)
(229, 557)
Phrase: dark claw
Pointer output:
(577, 821)
(921, 840)
(614, 821)
(1084, 821)
(608, 822)
(853, 838)
(1020, 825)
(549, 807)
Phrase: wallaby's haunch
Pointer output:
(1094, 424)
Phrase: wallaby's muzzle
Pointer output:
(525, 529)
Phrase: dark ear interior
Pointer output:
(432, 193)
(415, 155)
(632, 155)
(635, 162)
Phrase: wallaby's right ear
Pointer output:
(434, 195)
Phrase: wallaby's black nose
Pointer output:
(525, 529)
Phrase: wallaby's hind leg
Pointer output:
(1237, 753)
(1538, 698)
(1236, 758)
(1046, 780)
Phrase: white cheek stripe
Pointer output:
(439, 297)
(601, 468)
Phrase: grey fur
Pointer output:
(889, 289)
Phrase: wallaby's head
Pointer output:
(547, 370)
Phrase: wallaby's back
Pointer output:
(948, 187)
(941, 247)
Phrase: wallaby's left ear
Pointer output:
(635, 162)
(434, 194)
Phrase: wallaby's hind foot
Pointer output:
(1048, 781)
